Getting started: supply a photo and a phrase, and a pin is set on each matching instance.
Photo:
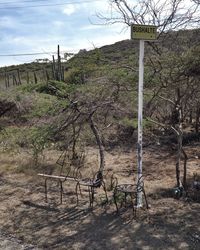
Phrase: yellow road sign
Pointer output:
(143, 32)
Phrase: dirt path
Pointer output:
(169, 224)
(8, 242)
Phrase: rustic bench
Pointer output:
(72, 163)
(60, 179)
(74, 174)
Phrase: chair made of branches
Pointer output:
(70, 170)
(92, 183)
(131, 190)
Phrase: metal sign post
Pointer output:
(140, 118)
(142, 33)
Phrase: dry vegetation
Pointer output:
(168, 224)
(38, 121)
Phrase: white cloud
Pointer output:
(92, 27)
(19, 40)
(70, 9)
(58, 24)
(97, 7)
(37, 32)
(7, 22)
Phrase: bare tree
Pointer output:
(166, 15)
(173, 85)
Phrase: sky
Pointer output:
(69, 23)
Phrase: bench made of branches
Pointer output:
(72, 163)
(74, 174)
(60, 179)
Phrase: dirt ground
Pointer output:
(28, 222)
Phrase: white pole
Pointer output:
(140, 118)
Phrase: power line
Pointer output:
(49, 5)
(25, 1)
(32, 54)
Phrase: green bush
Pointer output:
(75, 76)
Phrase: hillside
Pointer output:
(118, 54)
(108, 74)
(86, 123)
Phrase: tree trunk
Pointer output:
(197, 118)
(190, 117)
(185, 170)
(179, 159)
(74, 142)
(99, 143)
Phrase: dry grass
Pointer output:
(169, 224)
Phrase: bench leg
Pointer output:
(77, 186)
(45, 189)
(104, 188)
(92, 196)
(61, 191)
(115, 200)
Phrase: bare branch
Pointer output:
(166, 15)
(166, 99)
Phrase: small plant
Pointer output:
(119, 198)
(112, 183)
(103, 199)
(38, 139)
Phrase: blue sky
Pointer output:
(41, 29)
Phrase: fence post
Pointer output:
(59, 64)
(27, 77)
(6, 80)
(19, 78)
(35, 77)
(14, 80)
(54, 68)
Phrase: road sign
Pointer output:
(143, 32)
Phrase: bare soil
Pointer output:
(28, 222)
